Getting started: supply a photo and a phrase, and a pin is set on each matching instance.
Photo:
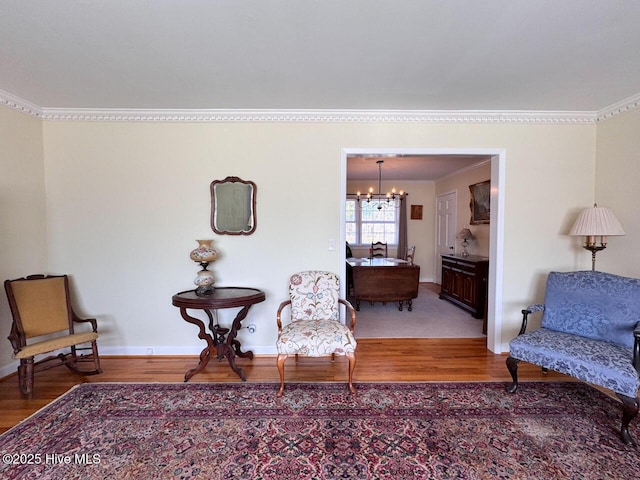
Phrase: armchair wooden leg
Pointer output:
(352, 365)
(280, 362)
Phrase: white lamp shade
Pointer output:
(596, 221)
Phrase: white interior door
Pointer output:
(446, 209)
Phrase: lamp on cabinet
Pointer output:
(466, 235)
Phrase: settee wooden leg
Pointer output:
(629, 412)
(512, 365)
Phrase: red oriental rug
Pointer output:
(319, 431)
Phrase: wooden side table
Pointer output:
(221, 341)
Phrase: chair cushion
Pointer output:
(55, 343)
(594, 361)
(316, 338)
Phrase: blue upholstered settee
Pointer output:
(590, 329)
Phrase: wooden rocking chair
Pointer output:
(41, 310)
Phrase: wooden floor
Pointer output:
(379, 360)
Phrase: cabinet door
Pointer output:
(447, 280)
(457, 284)
(469, 294)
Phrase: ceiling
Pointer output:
(498, 55)
(409, 166)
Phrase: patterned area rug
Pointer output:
(319, 431)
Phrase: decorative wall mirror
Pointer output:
(233, 206)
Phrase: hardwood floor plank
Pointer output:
(379, 360)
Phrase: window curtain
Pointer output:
(402, 229)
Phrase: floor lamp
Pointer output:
(596, 222)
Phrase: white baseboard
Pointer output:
(145, 351)
(9, 369)
(166, 350)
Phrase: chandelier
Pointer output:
(381, 200)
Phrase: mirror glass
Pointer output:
(233, 206)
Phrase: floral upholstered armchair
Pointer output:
(315, 329)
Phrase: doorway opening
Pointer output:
(441, 157)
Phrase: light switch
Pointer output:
(332, 244)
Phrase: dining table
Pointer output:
(383, 280)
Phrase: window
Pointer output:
(365, 223)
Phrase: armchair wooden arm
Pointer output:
(351, 310)
(279, 314)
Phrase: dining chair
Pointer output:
(314, 328)
(44, 322)
(411, 252)
(379, 249)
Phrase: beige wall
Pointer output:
(22, 210)
(126, 201)
(617, 177)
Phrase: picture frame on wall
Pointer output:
(416, 212)
(480, 202)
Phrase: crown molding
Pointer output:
(316, 116)
(619, 107)
(17, 103)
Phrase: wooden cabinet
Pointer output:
(464, 282)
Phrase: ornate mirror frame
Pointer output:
(233, 206)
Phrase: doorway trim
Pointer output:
(496, 229)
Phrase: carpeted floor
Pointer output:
(319, 431)
(431, 317)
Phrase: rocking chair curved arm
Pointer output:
(92, 321)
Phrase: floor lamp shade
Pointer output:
(596, 222)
